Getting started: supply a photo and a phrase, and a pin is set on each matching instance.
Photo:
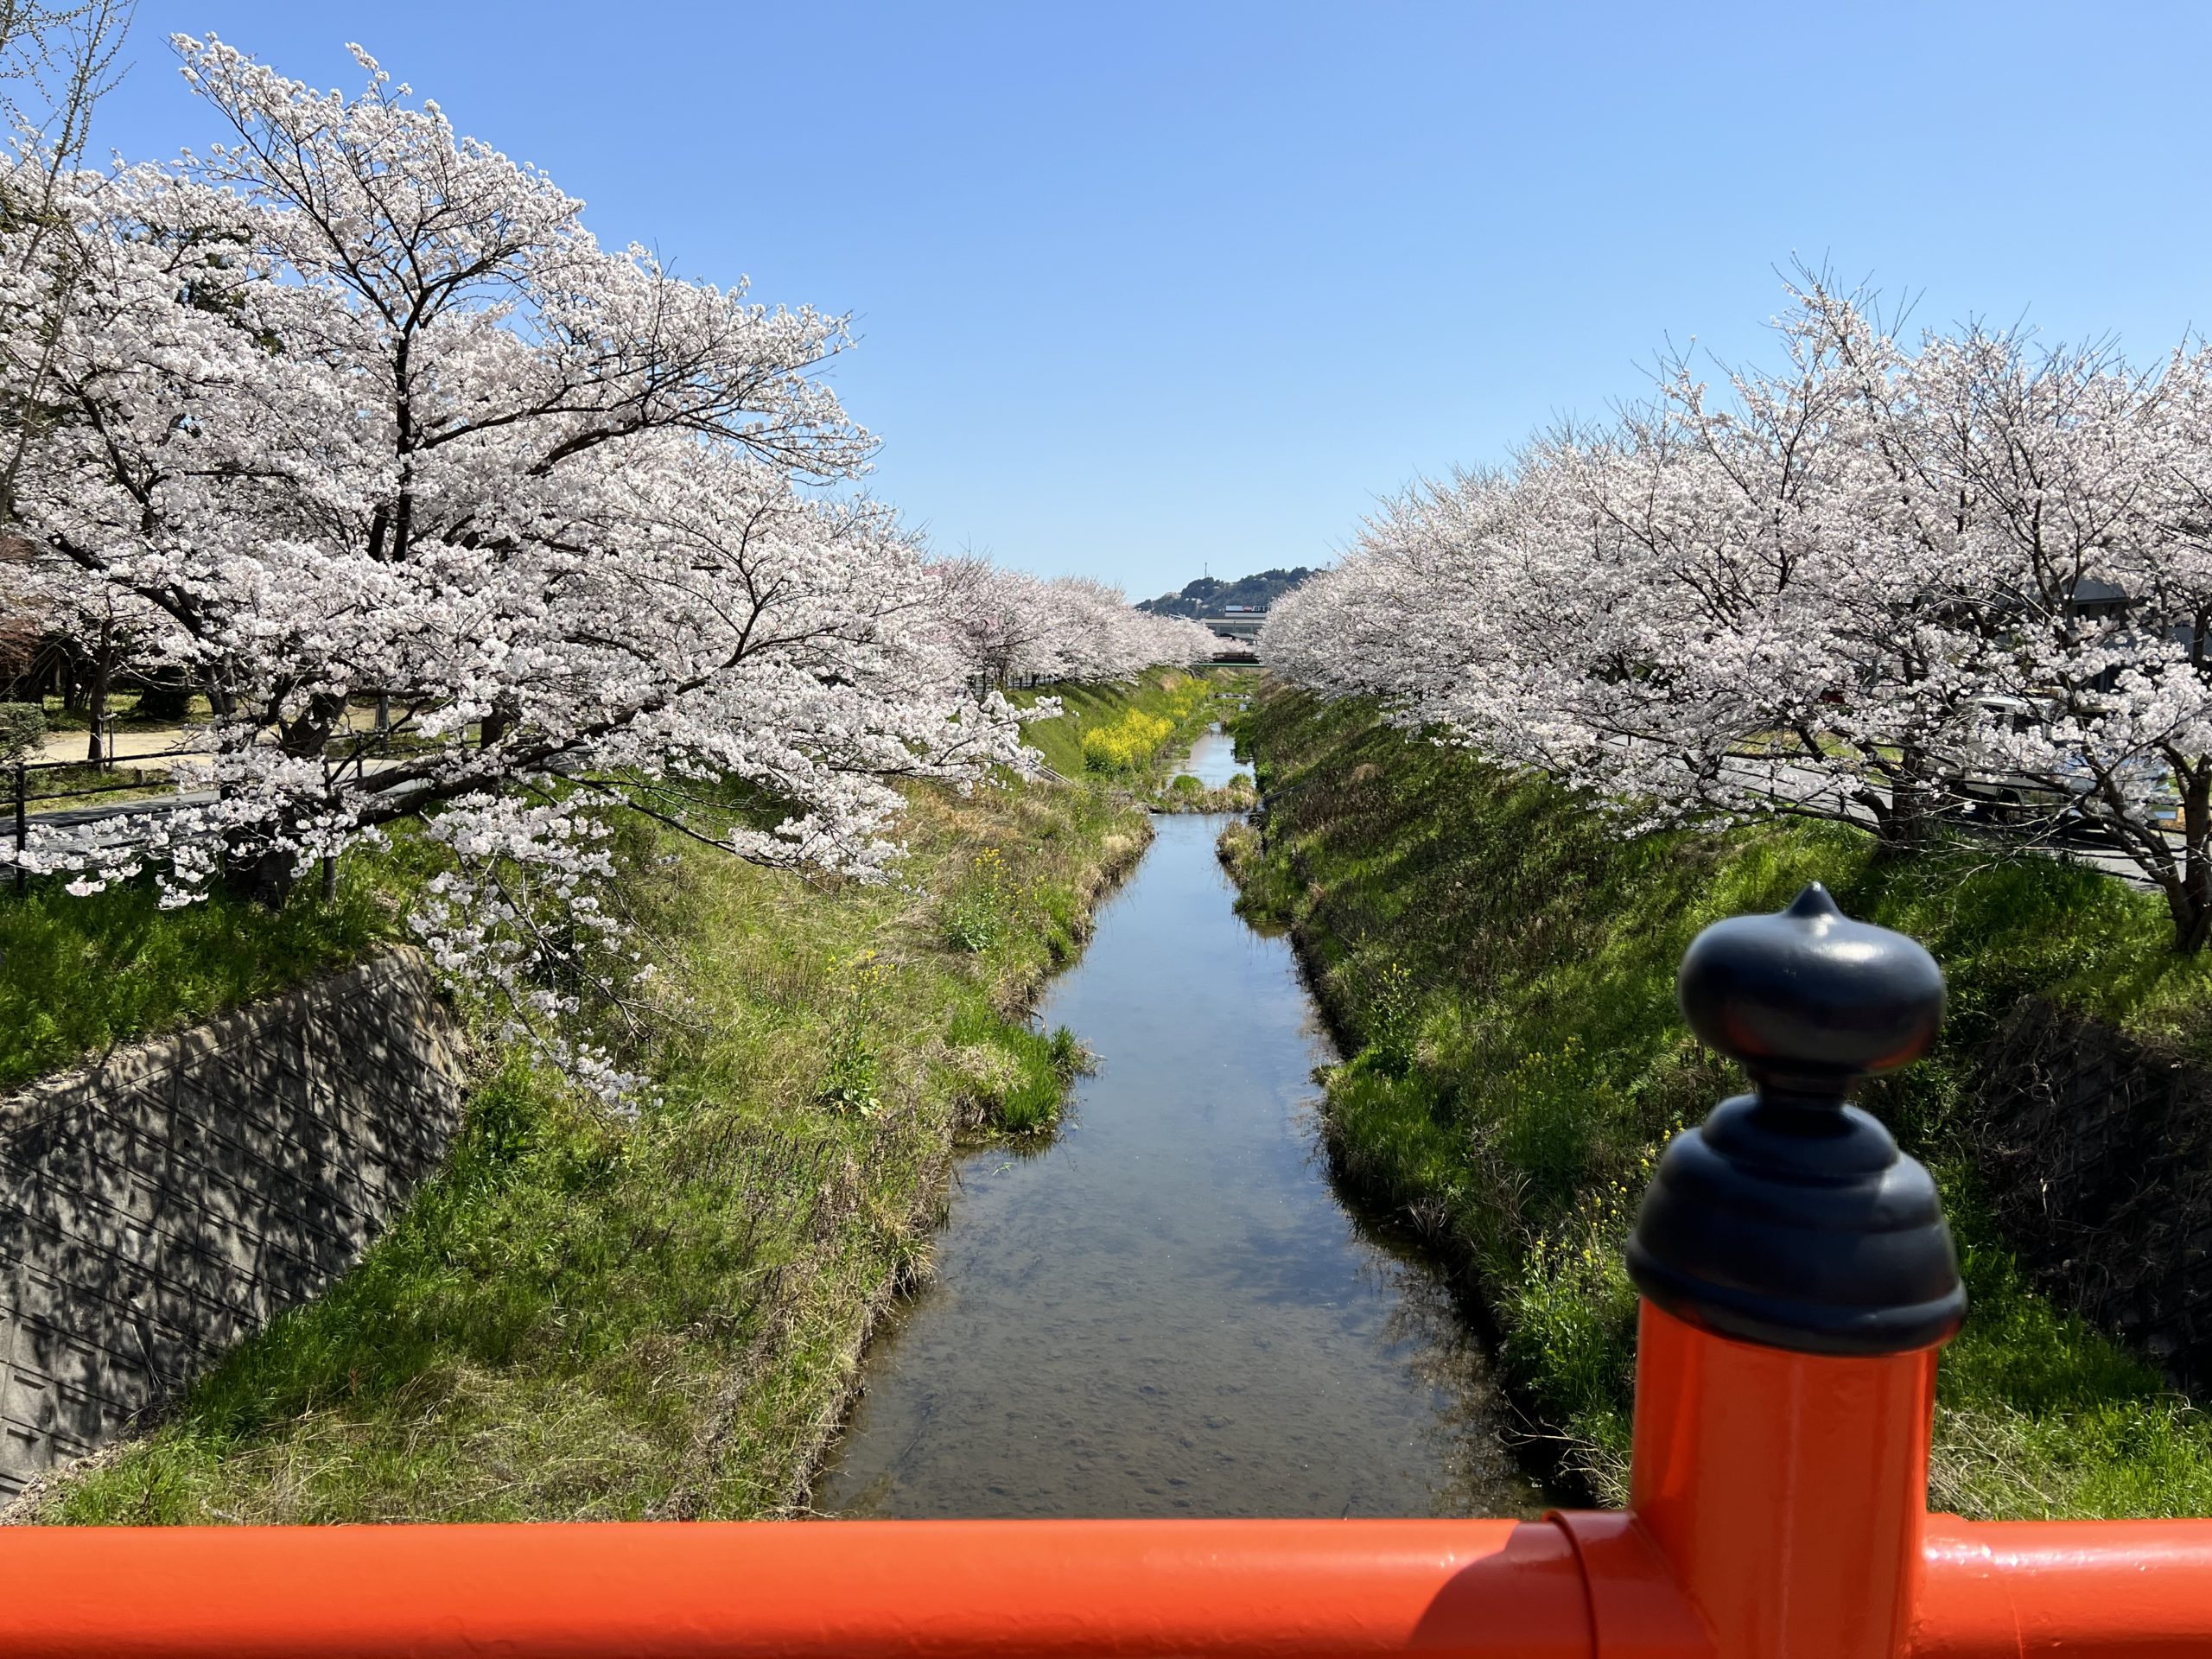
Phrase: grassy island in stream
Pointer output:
(588, 1317)
(1500, 960)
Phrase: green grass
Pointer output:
(1501, 962)
(75, 788)
(82, 976)
(586, 1317)
(1188, 701)
(1014, 1077)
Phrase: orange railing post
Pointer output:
(1787, 1490)
(1798, 1277)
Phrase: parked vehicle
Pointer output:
(2003, 796)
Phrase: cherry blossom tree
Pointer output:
(2076, 484)
(994, 619)
(1898, 583)
(353, 409)
(1010, 625)
(354, 406)
(57, 59)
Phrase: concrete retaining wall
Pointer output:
(157, 1208)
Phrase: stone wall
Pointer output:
(170, 1200)
(2097, 1152)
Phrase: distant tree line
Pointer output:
(1210, 596)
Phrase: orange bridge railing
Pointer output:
(1798, 1279)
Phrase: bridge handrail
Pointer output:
(1798, 1281)
(1050, 1589)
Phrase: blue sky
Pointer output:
(1146, 289)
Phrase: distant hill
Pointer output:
(1210, 596)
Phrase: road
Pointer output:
(1787, 782)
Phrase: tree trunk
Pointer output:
(265, 877)
(2189, 899)
(1902, 827)
(103, 660)
(2191, 909)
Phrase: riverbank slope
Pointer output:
(1129, 735)
(1499, 962)
(590, 1316)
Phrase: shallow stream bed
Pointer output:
(1167, 1311)
(1213, 759)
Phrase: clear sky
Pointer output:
(1145, 288)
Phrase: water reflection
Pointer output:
(1168, 1313)
(1213, 759)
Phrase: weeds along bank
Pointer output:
(586, 1317)
(1132, 738)
(1185, 793)
(1125, 734)
(1501, 965)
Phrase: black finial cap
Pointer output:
(1789, 1217)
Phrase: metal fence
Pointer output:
(28, 797)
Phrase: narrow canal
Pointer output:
(1213, 759)
(1167, 1311)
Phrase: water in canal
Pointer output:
(1213, 759)
(1167, 1311)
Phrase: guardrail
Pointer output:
(1798, 1278)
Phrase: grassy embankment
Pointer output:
(1501, 964)
(1130, 737)
(582, 1316)
(80, 976)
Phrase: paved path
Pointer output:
(145, 742)
(68, 747)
